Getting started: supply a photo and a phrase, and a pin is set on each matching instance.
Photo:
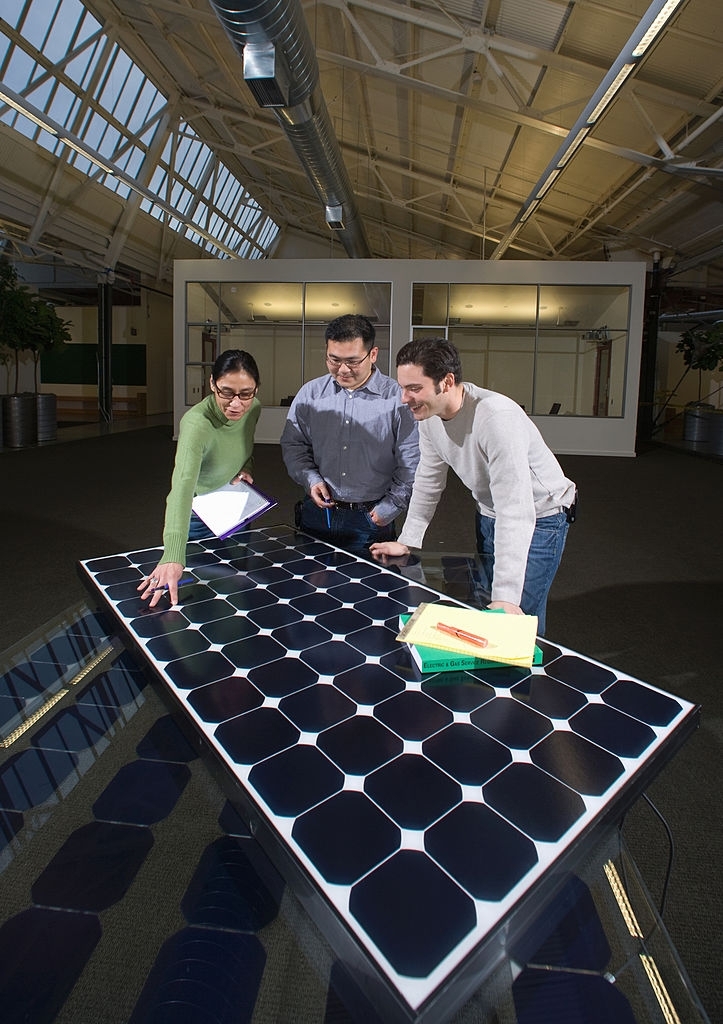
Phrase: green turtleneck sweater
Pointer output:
(211, 452)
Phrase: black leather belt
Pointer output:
(357, 506)
(571, 510)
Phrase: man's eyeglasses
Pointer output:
(352, 364)
(228, 394)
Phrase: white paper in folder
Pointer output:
(231, 507)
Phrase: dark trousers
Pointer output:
(351, 529)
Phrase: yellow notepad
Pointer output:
(510, 638)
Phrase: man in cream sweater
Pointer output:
(525, 503)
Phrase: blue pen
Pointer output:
(180, 583)
(328, 518)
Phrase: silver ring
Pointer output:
(153, 579)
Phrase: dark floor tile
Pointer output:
(559, 996)
(164, 741)
(10, 824)
(76, 729)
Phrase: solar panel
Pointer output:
(421, 819)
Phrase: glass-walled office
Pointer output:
(554, 349)
(563, 340)
(281, 324)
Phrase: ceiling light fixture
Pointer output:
(14, 100)
(658, 23)
(648, 29)
(548, 183)
(89, 154)
(610, 93)
(575, 143)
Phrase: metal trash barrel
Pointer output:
(715, 432)
(19, 428)
(46, 408)
(696, 421)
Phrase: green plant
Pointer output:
(46, 331)
(14, 308)
(28, 323)
(5, 362)
(702, 347)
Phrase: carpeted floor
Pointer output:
(640, 588)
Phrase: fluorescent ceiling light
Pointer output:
(577, 141)
(32, 114)
(548, 183)
(610, 92)
(88, 154)
(530, 209)
(659, 22)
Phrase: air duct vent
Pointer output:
(266, 75)
(335, 217)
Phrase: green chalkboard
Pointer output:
(78, 364)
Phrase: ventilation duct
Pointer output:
(335, 218)
(281, 69)
(266, 75)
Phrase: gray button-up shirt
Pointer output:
(363, 443)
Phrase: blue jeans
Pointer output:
(543, 559)
(197, 529)
(350, 529)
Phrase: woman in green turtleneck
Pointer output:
(215, 444)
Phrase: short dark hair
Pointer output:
(233, 360)
(349, 327)
(436, 356)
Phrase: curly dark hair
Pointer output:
(436, 356)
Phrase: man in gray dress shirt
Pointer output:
(351, 443)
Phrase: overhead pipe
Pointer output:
(281, 70)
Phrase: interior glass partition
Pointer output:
(282, 324)
(557, 350)
(554, 349)
(581, 350)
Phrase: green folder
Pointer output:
(432, 659)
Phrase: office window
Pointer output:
(281, 324)
(557, 350)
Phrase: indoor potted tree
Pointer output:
(18, 409)
(47, 332)
(702, 349)
(28, 323)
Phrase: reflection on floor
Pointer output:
(126, 872)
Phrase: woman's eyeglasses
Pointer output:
(228, 394)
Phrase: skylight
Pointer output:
(61, 62)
